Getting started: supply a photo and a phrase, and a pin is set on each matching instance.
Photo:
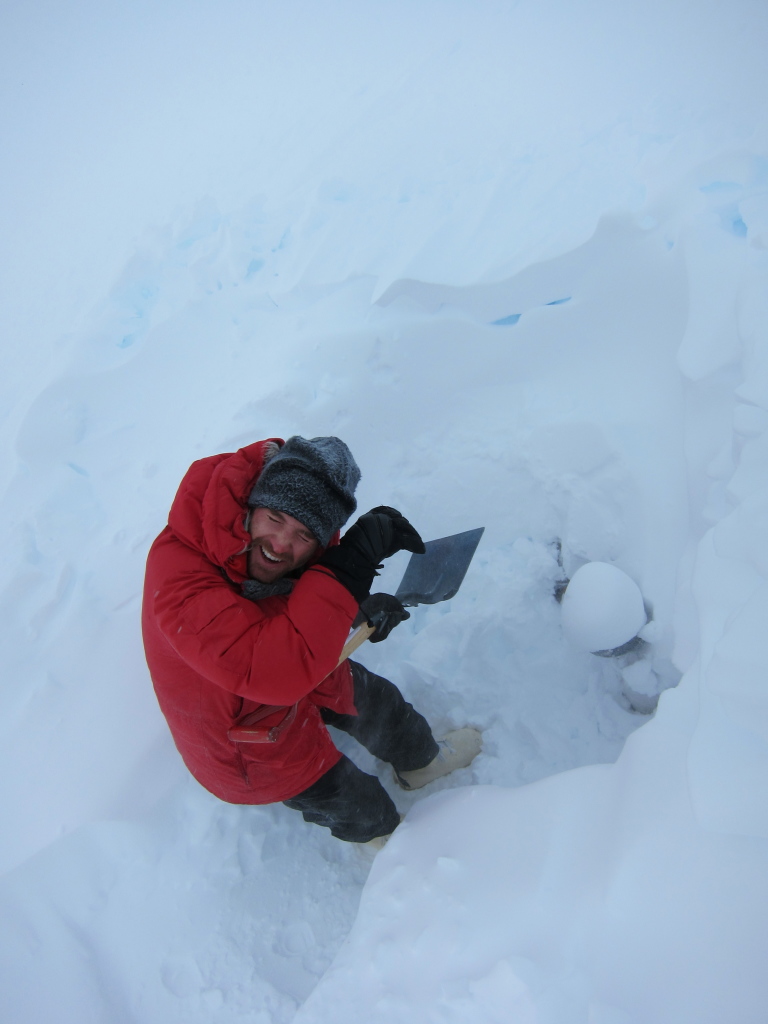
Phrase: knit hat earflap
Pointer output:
(313, 481)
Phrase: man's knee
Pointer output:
(353, 805)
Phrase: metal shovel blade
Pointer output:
(438, 573)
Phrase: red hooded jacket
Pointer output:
(215, 656)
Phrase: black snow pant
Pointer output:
(353, 805)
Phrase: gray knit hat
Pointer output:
(313, 481)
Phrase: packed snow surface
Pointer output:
(515, 255)
(603, 608)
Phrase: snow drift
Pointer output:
(515, 255)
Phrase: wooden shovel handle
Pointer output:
(359, 637)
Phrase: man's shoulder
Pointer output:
(241, 466)
(208, 511)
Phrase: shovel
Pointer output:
(434, 576)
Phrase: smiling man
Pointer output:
(280, 544)
(249, 598)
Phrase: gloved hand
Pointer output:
(375, 536)
(382, 611)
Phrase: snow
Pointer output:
(603, 608)
(515, 255)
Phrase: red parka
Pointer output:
(215, 656)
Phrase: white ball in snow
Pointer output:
(602, 608)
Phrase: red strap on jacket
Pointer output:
(247, 730)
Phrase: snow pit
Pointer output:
(228, 221)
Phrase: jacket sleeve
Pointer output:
(274, 651)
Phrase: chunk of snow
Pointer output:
(602, 608)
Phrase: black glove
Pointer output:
(382, 611)
(375, 536)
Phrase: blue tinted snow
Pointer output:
(508, 321)
(738, 227)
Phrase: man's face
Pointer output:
(280, 545)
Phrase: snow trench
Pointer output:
(574, 436)
(547, 318)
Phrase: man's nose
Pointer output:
(280, 543)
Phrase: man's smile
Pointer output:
(280, 544)
(269, 557)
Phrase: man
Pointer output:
(249, 597)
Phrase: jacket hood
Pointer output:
(209, 510)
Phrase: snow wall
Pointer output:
(548, 317)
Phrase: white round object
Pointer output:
(602, 608)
